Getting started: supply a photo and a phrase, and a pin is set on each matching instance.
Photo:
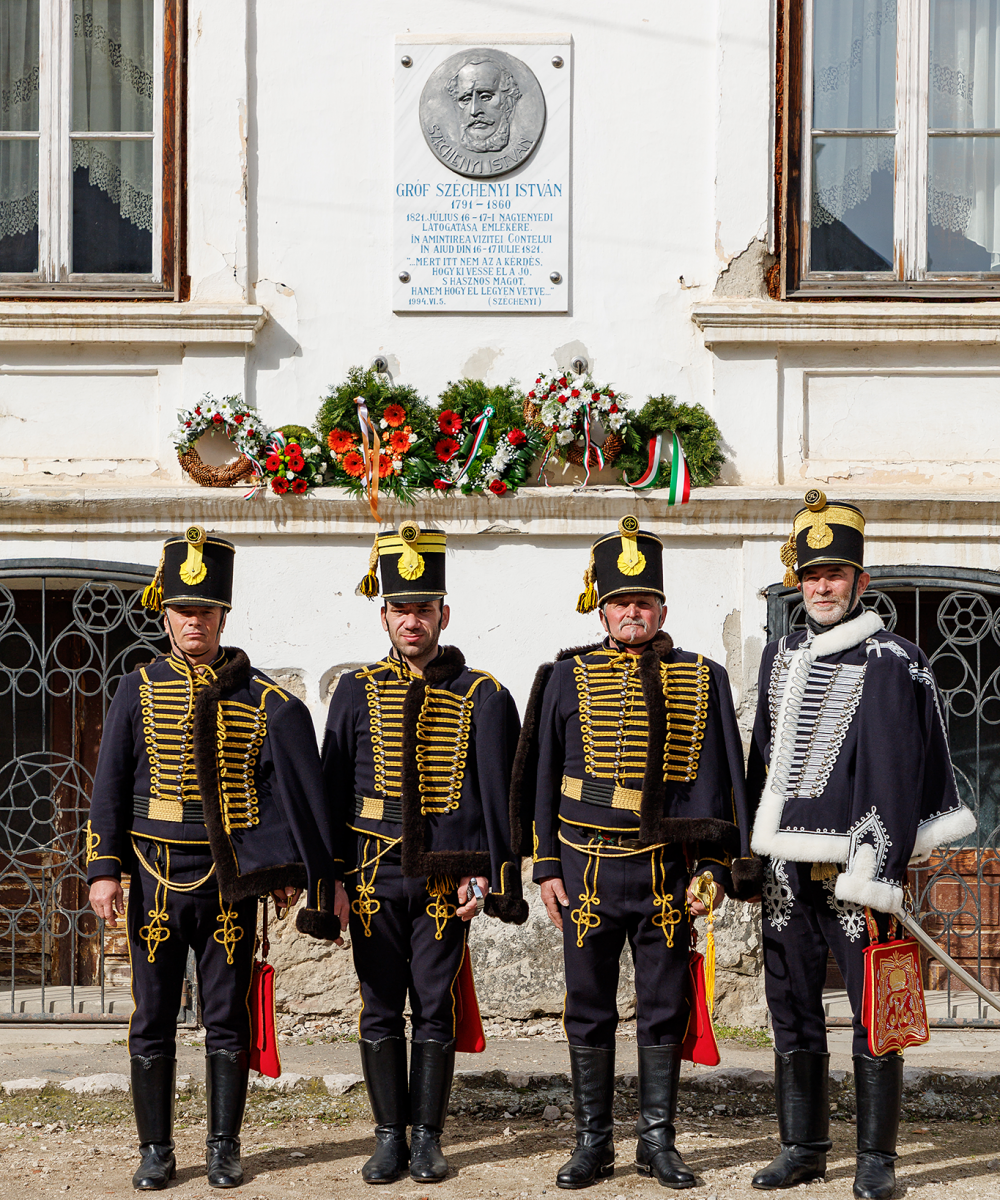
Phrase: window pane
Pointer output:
(852, 204)
(113, 207)
(19, 64)
(964, 83)
(18, 205)
(113, 65)
(854, 64)
(963, 204)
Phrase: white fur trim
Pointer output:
(858, 884)
(945, 828)
(843, 637)
(768, 836)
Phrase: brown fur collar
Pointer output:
(232, 676)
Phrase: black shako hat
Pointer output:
(195, 569)
(823, 532)
(630, 560)
(411, 561)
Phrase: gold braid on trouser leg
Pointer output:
(583, 917)
(230, 933)
(668, 917)
(365, 905)
(440, 887)
(156, 931)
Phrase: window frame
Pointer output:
(793, 80)
(54, 280)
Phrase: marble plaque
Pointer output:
(481, 180)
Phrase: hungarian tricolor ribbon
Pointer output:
(477, 434)
(588, 446)
(370, 453)
(680, 474)
(258, 470)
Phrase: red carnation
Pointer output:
(562, 399)
(498, 487)
(531, 395)
(595, 396)
(187, 424)
(299, 486)
(611, 395)
(217, 418)
(279, 485)
(517, 437)
(442, 485)
(238, 418)
(446, 448)
(249, 433)
(197, 412)
(612, 408)
(575, 392)
(562, 381)
(449, 422)
(273, 463)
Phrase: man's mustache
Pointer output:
(633, 624)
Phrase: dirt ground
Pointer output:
(506, 1160)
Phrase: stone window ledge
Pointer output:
(130, 321)
(736, 513)
(850, 322)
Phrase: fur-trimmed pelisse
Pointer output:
(748, 877)
(416, 860)
(655, 826)
(233, 675)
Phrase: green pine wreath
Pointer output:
(698, 433)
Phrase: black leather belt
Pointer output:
(372, 809)
(604, 837)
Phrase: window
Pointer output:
(89, 170)
(890, 117)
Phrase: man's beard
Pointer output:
(482, 140)
(631, 631)
(829, 616)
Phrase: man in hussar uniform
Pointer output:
(208, 792)
(631, 760)
(850, 763)
(417, 760)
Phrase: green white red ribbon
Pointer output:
(680, 474)
(588, 446)
(477, 433)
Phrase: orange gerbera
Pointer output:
(354, 464)
(339, 440)
(394, 415)
(399, 442)
(385, 468)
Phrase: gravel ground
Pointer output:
(508, 1160)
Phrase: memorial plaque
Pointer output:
(481, 203)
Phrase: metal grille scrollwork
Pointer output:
(953, 615)
(68, 633)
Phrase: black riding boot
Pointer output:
(878, 1086)
(383, 1064)
(153, 1101)
(593, 1096)
(432, 1066)
(655, 1153)
(226, 1074)
(802, 1092)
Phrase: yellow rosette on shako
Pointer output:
(823, 532)
(629, 560)
(411, 562)
(195, 569)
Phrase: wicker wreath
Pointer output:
(611, 447)
(224, 476)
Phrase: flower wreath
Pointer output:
(294, 466)
(400, 452)
(493, 460)
(240, 424)
(574, 413)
